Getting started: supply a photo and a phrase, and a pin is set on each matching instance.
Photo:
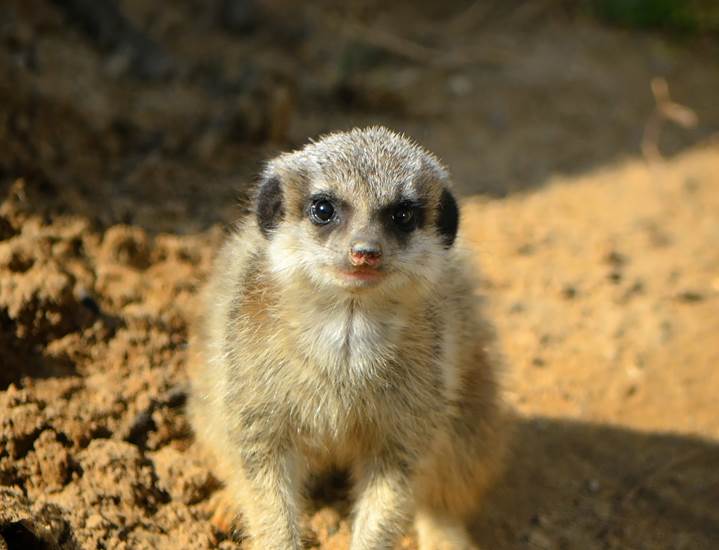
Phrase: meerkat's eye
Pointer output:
(322, 211)
(404, 218)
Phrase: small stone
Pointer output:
(615, 258)
(690, 296)
(459, 85)
(537, 539)
(526, 249)
(569, 292)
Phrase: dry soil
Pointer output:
(600, 265)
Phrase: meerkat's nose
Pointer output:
(366, 253)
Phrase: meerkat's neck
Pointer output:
(343, 333)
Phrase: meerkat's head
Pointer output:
(357, 211)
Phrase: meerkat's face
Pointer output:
(367, 209)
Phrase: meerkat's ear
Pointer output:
(447, 218)
(269, 206)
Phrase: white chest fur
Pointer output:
(348, 336)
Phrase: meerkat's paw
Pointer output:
(225, 514)
(442, 533)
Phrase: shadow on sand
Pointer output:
(588, 486)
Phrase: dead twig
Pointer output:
(470, 17)
(413, 51)
(612, 522)
(665, 109)
(657, 473)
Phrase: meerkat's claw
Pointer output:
(225, 514)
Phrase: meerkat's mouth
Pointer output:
(363, 274)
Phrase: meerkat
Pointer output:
(339, 329)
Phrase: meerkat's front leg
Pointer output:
(437, 531)
(385, 504)
(269, 493)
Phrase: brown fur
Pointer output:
(298, 368)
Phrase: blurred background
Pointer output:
(582, 137)
(109, 96)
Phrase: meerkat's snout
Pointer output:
(366, 261)
(366, 253)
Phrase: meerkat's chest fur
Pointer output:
(355, 362)
(349, 337)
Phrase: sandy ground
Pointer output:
(601, 269)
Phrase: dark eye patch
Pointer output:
(448, 218)
(269, 208)
(403, 217)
